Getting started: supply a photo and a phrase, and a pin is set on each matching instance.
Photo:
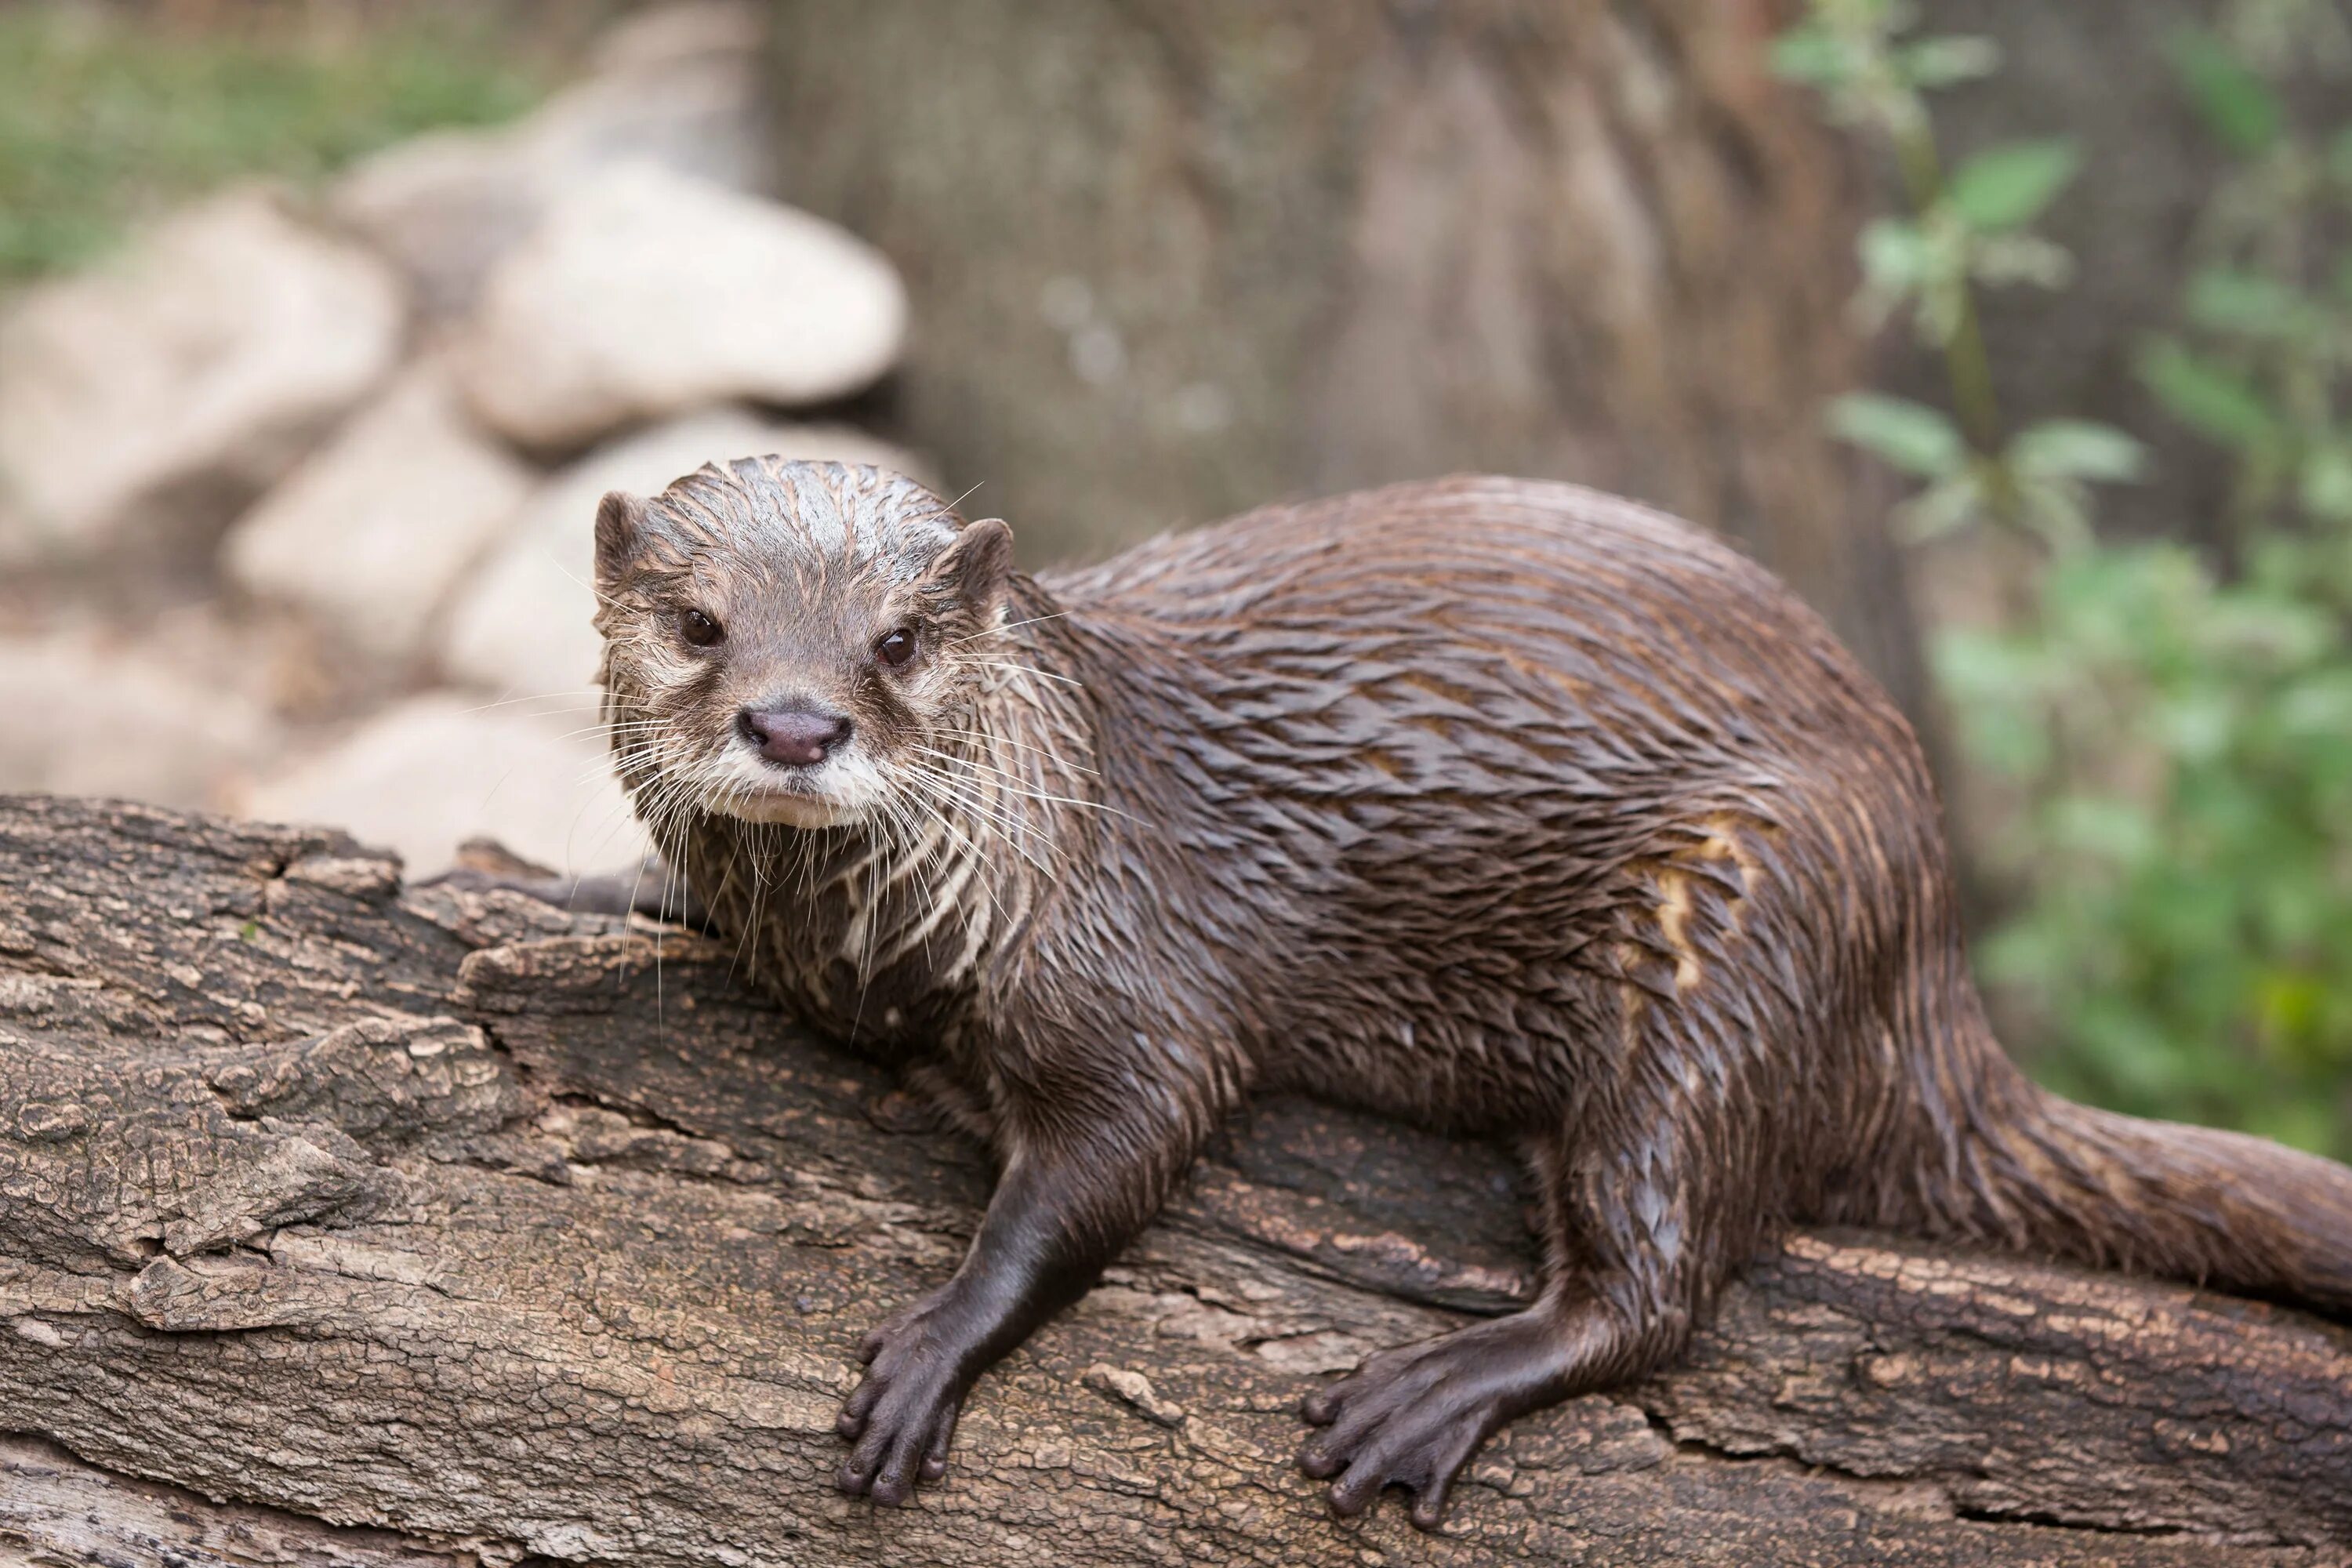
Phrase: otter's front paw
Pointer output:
(902, 1415)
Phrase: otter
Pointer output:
(1506, 807)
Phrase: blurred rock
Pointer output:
(370, 533)
(147, 401)
(83, 719)
(522, 626)
(682, 87)
(663, 37)
(650, 292)
(424, 777)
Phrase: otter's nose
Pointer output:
(793, 735)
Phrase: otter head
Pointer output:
(790, 642)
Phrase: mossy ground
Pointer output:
(109, 115)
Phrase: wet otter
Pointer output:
(1506, 807)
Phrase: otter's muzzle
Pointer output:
(792, 737)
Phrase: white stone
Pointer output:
(661, 37)
(682, 87)
(423, 777)
(87, 718)
(522, 627)
(369, 534)
(195, 369)
(650, 292)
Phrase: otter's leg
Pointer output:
(1064, 1209)
(1636, 1232)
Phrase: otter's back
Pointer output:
(1517, 600)
(1431, 762)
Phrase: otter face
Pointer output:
(792, 642)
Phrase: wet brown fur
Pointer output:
(1507, 807)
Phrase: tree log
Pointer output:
(346, 1224)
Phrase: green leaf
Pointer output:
(1931, 63)
(2238, 107)
(1945, 507)
(2078, 449)
(1811, 56)
(2339, 155)
(1898, 261)
(2109, 828)
(1908, 436)
(2326, 486)
(2002, 259)
(1896, 255)
(2209, 399)
(2058, 511)
(2226, 301)
(2320, 707)
(2008, 187)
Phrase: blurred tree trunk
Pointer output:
(1172, 258)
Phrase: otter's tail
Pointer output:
(2037, 1173)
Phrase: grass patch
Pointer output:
(106, 119)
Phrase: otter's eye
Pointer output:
(700, 629)
(897, 647)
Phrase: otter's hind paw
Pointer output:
(1412, 1416)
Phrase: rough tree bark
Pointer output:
(344, 1225)
(1174, 259)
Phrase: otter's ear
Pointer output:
(978, 567)
(620, 517)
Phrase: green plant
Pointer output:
(2182, 944)
(1970, 230)
(2179, 937)
(2262, 365)
(104, 120)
